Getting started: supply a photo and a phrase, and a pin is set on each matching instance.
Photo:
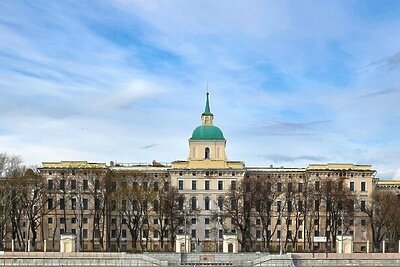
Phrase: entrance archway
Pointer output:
(230, 248)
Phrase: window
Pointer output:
(62, 203)
(85, 204)
(166, 186)
(363, 223)
(62, 184)
(207, 203)
(300, 205)
(50, 220)
(289, 187)
(180, 202)
(62, 220)
(194, 203)
(316, 205)
(207, 233)
(73, 184)
(50, 184)
(194, 221)
(220, 233)
(363, 188)
(96, 184)
(279, 187)
(73, 220)
(278, 221)
(352, 186)
(155, 221)
(207, 185)
(363, 206)
(289, 206)
(85, 185)
(207, 153)
(220, 185)
(145, 185)
(316, 221)
(316, 185)
(85, 233)
(155, 186)
(123, 233)
(50, 203)
(113, 233)
(278, 234)
(233, 185)
(300, 187)
(220, 202)
(194, 184)
(193, 233)
(73, 203)
(258, 221)
(207, 221)
(85, 220)
(180, 184)
(62, 231)
(258, 234)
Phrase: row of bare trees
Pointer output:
(290, 206)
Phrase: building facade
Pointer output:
(142, 207)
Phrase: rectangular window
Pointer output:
(50, 220)
(73, 220)
(73, 184)
(85, 220)
(194, 185)
(363, 223)
(316, 205)
(61, 232)
(363, 187)
(207, 233)
(113, 233)
(85, 185)
(316, 221)
(300, 187)
(123, 233)
(233, 185)
(85, 233)
(62, 184)
(316, 185)
(279, 187)
(220, 185)
(85, 204)
(62, 203)
(155, 234)
(289, 187)
(193, 233)
(207, 203)
(155, 186)
(207, 185)
(258, 234)
(194, 220)
(180, 184)
(50, 184)
(363, 205)
(352, 186)
(73, 203)
(278, 234)
(207, 221)
(96, 184)
(62, 220)
(258, 221)
(50, 203)
(300, 234)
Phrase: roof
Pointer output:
(207, 132)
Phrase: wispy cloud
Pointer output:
(281, 158)
(148, 146)
(379, 93)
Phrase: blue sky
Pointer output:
(291, 82)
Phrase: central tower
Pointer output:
(207, 144)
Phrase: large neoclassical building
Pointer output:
(285, 208)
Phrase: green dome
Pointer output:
(207, 132)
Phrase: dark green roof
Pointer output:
(207, 132)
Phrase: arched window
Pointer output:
(207, 153)
(207, 203)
